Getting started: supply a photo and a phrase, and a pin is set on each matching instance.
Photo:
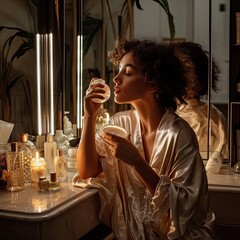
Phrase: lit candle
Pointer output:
(38, 168)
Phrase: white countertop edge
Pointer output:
(53, 212)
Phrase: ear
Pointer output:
(152, 88)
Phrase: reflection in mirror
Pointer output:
(195, 111)
(18, 87)
(214, 38)
(191, 23)
(18, 71)
(194, 20)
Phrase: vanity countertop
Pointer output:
(68, 213)
(226, 180)
(31, 204)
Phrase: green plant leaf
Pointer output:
(165, 6)
(24, 47)
(90, 27)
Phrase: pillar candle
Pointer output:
(38, 168)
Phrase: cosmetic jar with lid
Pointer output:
(106, 88)
(116, 130)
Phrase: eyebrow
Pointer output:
(128, 65)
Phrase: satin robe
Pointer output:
(196, 114)
(179, 208)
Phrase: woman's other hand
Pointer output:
(123, 149)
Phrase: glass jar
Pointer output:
(116, 130)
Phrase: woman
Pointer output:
(195, 112)
(152, 185)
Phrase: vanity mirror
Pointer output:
(196, 20)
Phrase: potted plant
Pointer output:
(15, 46)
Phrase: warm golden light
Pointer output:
(39, 109)
(79, 80)
(45, 84)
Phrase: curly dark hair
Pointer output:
(158, 64)
(197, 68)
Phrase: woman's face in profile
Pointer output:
(130, 84)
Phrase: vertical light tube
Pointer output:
(45, 67)
(79, 68)
(79, 80)
(51, 85)
(39, 108)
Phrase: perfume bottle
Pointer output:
(53, 183)
(29, 150)
(14, 167)
(50, 152)
(60, 163)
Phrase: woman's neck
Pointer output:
(150, 116)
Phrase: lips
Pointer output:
(116, 90)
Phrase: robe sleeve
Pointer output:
(181, 193)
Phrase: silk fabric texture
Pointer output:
(195, 112)
(179, 208)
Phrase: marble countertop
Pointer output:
(226, 180)
(31, 204)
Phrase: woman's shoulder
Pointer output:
(173, 122)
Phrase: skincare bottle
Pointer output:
(54, 185)
(60, 166)
(50, 152)
(14, 167)
(29, 150)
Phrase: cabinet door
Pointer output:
(234, 68)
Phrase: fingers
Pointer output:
(95, 86)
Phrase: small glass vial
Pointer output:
(106, 88)
(43, 184)
(14, 167)
(60, 163)
(54, 185)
